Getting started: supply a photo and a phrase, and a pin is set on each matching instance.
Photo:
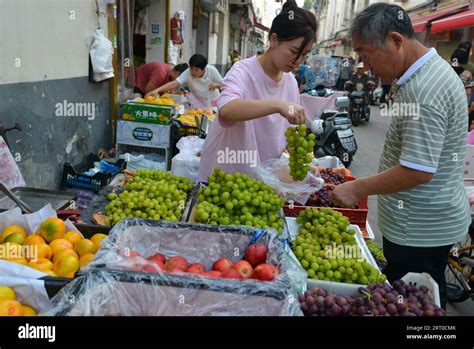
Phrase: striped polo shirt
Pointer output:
(427, 132)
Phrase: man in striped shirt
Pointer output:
(422, 204)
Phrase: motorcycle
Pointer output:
(334, 133)
(358, 108)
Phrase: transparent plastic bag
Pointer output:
(186, 162)
(109, 287)
(276, 173)
(101, 52)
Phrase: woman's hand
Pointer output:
(294, 113)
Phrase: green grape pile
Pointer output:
(377, 252)
(299, 145)
(236, 199)
(327, 250)
(150, 195)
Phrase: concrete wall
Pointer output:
(44, 62)
(155, 42)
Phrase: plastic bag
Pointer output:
(108, 287)
(101, 52)
(276, 173)
(186, 162)
(10, 174)
(147, 161)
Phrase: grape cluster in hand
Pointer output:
(237, 199)
(320, 198)
(299, 145)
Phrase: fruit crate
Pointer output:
(338, 288)
(357, 216)
(109, 274)
(74, 179)
(424, 279)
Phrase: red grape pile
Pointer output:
(321, 197)
(330, 177)
(376, 300)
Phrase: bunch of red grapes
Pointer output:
(375, 300)
(331, 177)
(321, 197)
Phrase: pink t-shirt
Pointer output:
(240, 146)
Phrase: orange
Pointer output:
(16, 237)
(149, 99)
(34, 239)
(64, 252)
(97, 239)
(52, 273)
(41, 264)
(73, 237)
(12, 229)
(11, 250)
(51, 229)
(7, 293)
(86, 259)
(28, 311)
(66, 266)
(10, 307)
(60, 244)
(41, 251)
(85, 246)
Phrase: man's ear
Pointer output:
(396, 38)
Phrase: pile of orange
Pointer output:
(10, 306)
(51, 249)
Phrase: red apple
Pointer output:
(196, 268)
(177, 264)
(256, 254)
(152, 268)
(222, 264)
(158, 257)
(265, 272)
(211, 274)
(231, 273)
(244, 268)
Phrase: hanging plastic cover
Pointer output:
(101, 52)
(110, 286)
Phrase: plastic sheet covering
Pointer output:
(108, 287)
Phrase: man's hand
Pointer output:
(345, 195)
(214, 86)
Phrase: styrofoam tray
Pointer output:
(338, 288)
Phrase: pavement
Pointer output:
(370, 139)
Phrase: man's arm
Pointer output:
(393, 180)
(172, 85)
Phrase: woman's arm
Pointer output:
(172, 85)
(249, 109)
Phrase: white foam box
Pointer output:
(424, 279)
(338, 288)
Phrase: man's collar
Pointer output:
(416, 66)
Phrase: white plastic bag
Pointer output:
(276, 173)
(101, 52)
(186, 162)
(10, 174)
(150, 161)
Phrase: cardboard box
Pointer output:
(148, 113)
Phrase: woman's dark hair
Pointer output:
(198, 61)
(460, 56)
(465, 45)
(294, 22)
(181, 67)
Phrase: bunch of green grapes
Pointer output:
(237, 199)
(150, 195)
(299, 147)
(327, 249)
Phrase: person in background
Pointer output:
(153, 75)
(235, 57)
(422, 203)
(466, 48)
(203, 80)
(459, 60)
(347, 67)
(360, 77)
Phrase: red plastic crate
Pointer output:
(357, 216)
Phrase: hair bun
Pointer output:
(289, 5)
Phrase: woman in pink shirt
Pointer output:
(260, 99)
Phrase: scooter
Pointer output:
(375, 92)
(358, 108)
(334, 133)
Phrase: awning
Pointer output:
(461, 20)
(419, 24)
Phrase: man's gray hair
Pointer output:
(373, 24)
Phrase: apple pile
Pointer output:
(253, 266)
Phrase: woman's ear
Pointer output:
(273, 40)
